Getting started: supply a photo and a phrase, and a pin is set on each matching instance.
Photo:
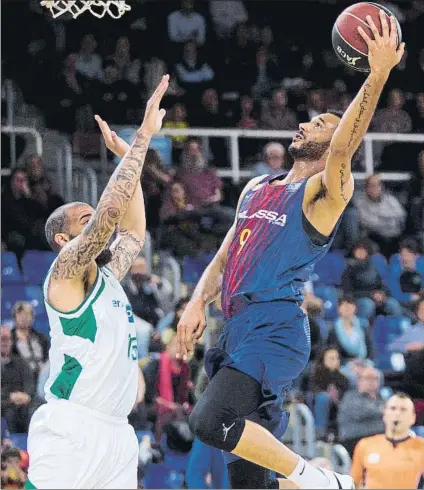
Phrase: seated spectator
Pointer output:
(177, 119)
(329, 386)
(154, 69)
(192, 71)
(349, 334)
(23, 218)
(30, 345)
(412, 382)
(360, 411)
(226, 15)
(406, 273)
(171, 319)
(274, 160)
(363, 281)
(395, 457)
(12, 474)
(275, 113)
(247, 117)
(179, 231)
(88, 62)
(186, 25)
(413, 339)
(392, 119)
(168, 385)
(5, 435)
(128, 67)
(382, 215)
(41, 186)
(349, 230)
(147, 293)
(155, 179)
(17, 386)
(265, 75)
(418, 121)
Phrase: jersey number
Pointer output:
(244, 236)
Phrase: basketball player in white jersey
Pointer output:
(81, 437)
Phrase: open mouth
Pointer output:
(298, 136)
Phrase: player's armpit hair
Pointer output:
(124, 252)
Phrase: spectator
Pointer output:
(177, 119)
(395, 458)
(168, 385)
(349, 230)
(274, 160)
(406, 273)
(266, 74)
(316, 104)
(419, 114)
(247, 117)
(155, 179)
(17, 386)
(360, 411)
(154, 69)
(363, 281)
(349, 334)
(88, 62)
(412, 382)
(382, 215)
(171, 319)
(12, 475)
(416, 196)
(30, 345)
(23, 218)
(226, 15)
(329, 385)
(186, 25)
(192, 71)
(393, 119)
(41, 187)
(147, 292)
(128, 68)
(5, 435)
(276, 114)
(413, 339)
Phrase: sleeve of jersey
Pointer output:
(357, 470)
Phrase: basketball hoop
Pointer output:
(98, 8)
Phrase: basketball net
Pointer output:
(98, 8)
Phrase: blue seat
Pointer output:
(382, 266)
(36, 264)
(11, 293)
(34, 294)
(10, 272)
(193, 267)
(20, 440)
(328, 294)
(141, 433)
(329, 270)
(162, 476)
(42, 325)
(385, 330)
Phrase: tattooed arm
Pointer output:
(383, 56)
(80, 252)
(131, 235)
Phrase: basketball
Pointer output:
(348, 44)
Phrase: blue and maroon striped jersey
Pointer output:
(271, 256)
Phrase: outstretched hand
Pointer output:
(383, 50)
(113, 142)
(153, 116)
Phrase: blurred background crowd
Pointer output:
(233, 64)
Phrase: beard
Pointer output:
(310, 150)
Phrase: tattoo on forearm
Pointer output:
(124, 253)
(362, 108)
(110, 210)
(342, 182)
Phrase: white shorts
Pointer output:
(71, 446)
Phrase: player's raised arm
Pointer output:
(132, 228)
(193, 321)
(78, 253)
(383, 55)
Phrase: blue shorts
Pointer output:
(271, 343)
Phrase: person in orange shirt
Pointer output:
(394, 459)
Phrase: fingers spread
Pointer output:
(373, 28)
(364, 36)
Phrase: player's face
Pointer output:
(313, 138)
(399, 414)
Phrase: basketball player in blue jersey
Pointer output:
(283, 226)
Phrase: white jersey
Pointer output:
(93, 353)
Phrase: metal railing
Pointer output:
(13, 131)
(304, 433)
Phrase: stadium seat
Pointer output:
(329, 270)
(329, 296)
(19, 440)
(36, 264)
(193, 267)
(162, 476)
(385, 330)
(382, 266)
(11, 293)
(10, 272)
(42, 325)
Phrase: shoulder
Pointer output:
(371, 441)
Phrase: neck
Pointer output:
(303, 169)
(396, 436)
(22, 333)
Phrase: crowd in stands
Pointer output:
(233, 64)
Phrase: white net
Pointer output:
(98, 8)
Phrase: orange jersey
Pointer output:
(378, 463)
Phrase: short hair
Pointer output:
(347, 298)
(410, 244)
(58, 222)
(335, 112)
(403, 396)
(20, 306)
